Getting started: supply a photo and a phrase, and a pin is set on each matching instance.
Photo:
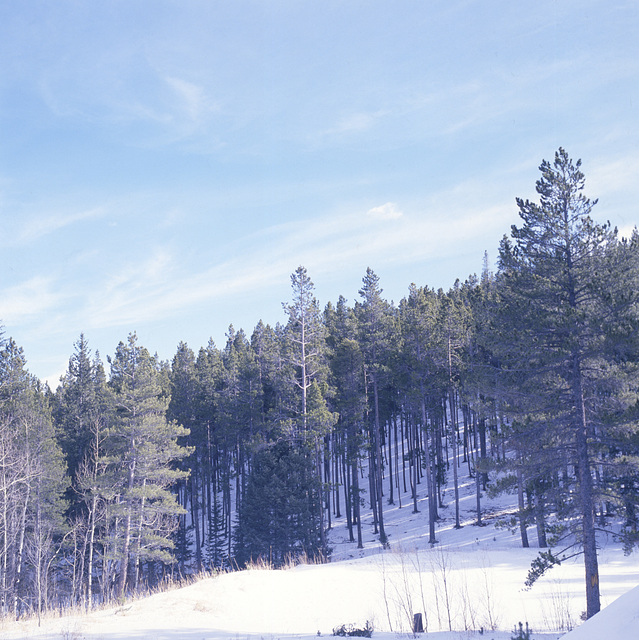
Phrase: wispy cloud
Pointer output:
(612, 176)
(130, 94)
(355, 123)
(131, 294)
(43, 225)
(192, 97)
(162, 286)
(388, 211)
(157, 289)
(28, 300)
(190, 94)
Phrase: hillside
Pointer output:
(473, 579)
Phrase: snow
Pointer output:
(618, 620)
(482, 569)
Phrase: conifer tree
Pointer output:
(454, 328)
(374, 327)
(81, 401)
(211, 458)
(141, 450)
(238, 422)
(424, 377)
(82, 412)
(182, 409)
(558, 299)
(305, 338)
(267, 347)
(347, 367)
(305, 334)
(279, 516)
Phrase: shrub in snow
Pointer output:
(521, 633)
(353, 631)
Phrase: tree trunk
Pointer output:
(522, 510)
(348, 500)
(378, 459)
(432, 506)
(540, 519)
(591, 565)
(453, 427)
(414, 462)
(124, 568)
(478, 490)
(94, 506)
(20, 551)
(138, 542)
(356, 504)
(391, 495)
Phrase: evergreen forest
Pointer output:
(139, 469)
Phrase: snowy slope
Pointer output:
(471, 580)
(619, 620)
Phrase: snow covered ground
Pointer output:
(472, 581)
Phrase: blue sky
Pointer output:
(165, 166)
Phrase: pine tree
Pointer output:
(182, 409)
(212, 458)
(454, 327)
(267, 347)
(347, 367)
(305, 335)
(375, 330)
(239, 418)
(620, 460)
(279, 516)
(141, 450)
(81, 406)
(424, 376)
(558, 299)
(306, 355)
(82, 415)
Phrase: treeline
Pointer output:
(528, 376)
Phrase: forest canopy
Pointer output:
(249, 450)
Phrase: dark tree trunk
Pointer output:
(591, 564)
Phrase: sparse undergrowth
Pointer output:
(522, 633)
(351, 630)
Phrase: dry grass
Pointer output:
(292, 560)
(169, 583)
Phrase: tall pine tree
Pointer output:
(141, 451)
(558, 299)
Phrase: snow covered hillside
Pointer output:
(472, 580)
(619, 620)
